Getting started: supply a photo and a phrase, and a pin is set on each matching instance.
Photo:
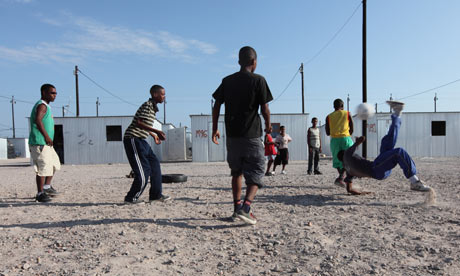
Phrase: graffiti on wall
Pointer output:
(201, 133)
(83, 140)
(372, 128)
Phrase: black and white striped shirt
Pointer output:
(146, 113)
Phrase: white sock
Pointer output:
(46, 186)
(413, 179)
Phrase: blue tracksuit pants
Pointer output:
(145, 164)
(389, 156)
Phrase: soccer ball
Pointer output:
(365, 111)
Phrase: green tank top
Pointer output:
(36, 137)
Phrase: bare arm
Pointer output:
(350, 123)
(215, 120)
(328, 130)
(144, 126)
(266, 114)
(41, 111)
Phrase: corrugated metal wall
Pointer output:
(3, 149)
(85, 140)
(205, 151)
(415, 135)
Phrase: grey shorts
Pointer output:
(246, 156)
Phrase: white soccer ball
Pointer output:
(365, 111)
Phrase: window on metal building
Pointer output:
(438, 128)
(113, 133)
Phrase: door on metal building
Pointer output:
(216, 153)
(58, 142)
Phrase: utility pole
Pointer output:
(164, 112)
(76, 90)
(391, 98)
(12, 113)
(348, 103)
(364, 126)
(303, 97)
(375, 107)
(63, 111)
(98, 103)
(435, 99)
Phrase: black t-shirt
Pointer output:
(243, 93)
(355, 165)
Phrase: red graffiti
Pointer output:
(372, 128)
(201, 133)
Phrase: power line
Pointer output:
(428, 90)
(287, 86)
(334, 36)
(322, 49)
(104, 89)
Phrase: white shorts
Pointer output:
(45, 159)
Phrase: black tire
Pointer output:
(173, 178)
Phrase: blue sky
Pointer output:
(189, 46)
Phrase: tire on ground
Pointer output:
(173, 178)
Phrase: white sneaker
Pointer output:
(419, 186)
(273, 173)
(283, 172)
(396, 106)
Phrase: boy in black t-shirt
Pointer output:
(243, 93)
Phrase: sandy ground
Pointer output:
(307, 226)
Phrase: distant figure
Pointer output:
(314, 146)
(142, 160)
(45, 159)
(270, 151)
(243, 93)
(388, 158)
(339, 126)
(281, 141)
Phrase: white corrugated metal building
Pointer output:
(422, 134)
(99, 140)
(20, 147)
(3, 149)
(204, 150)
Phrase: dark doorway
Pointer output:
(58, 142)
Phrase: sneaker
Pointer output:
(396, 106)
(283, 172)
(339, 182)
(309, 172)
(162, 198)
(132, 201)
(317, 172)
(51, 191)
(234, 216)
(419, 186)
(268, 174)
(249, 218)
(273, 173)
(43, 197)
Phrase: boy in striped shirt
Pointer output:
(142, 160)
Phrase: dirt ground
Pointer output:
(307, 226)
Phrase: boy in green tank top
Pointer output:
(41, 136)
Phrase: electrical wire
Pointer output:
(428, 90)
(104, 89)
(287, 86)
(321, 50)
(334, 36)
